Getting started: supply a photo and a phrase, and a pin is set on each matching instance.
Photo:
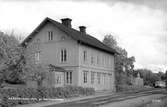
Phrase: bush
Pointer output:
(123, 88)
(35, 95)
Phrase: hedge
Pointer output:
(125, 88)
(33, 95)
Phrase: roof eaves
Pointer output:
(36, 30)
(84, 43)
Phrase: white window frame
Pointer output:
(58, 79)
(92, 60)
(50, 35)
(85, 55)
(105, 75)
(92, 77)
(37, 57)
(85, 76)
(98, 60)
(63, 55)
(69, 77)
(98, 77)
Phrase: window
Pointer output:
(50, 35)
(104, 74)
(98, 77)
(92, 60)
(109, 61)
(110, 76)
(97, 59)
(85, 76)
(63, 55)
(103, 58)
(92, 77)
(85, 55)
(69, 77)
(37, 56)
(37, 43)
(58, 79)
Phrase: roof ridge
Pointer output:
(82, 34)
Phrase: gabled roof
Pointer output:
(84, 39)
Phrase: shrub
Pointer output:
(121, 88)
(90, 91)
(41, 93)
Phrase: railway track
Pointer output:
(101, 100)
(126, 97)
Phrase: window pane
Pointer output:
(67, 77)
(62, 56)
(92, 60)
(85, 56)
(98, 78)
(37, 57)
(59, 79)
(70, 77)
(65, 55)
(50, 35)
(85, 76)
(97, 59)
(92, 77)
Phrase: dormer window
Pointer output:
(50, 35)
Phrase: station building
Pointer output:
(79, 59)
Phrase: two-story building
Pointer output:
(79, 58)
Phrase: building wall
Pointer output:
(103, 65)
(50, 50)
(50, 53)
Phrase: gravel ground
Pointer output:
(136, 102)
(162, 102)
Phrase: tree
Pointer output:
(110, 41)
(32, 70)
(10, 58)
(161, 75)
(123, 64)
(15, 65)
(148, 76)
(36, 73)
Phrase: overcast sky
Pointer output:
(140, 26)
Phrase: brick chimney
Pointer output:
(82, 29)
(66, 22)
